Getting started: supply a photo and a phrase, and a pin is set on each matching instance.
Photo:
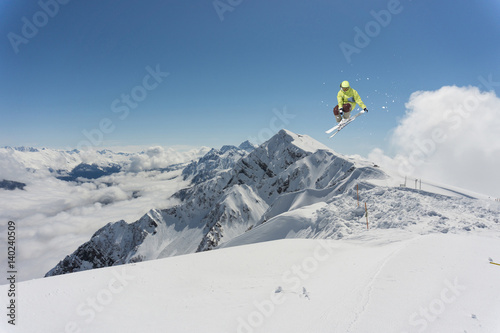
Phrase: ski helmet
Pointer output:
(344, 84)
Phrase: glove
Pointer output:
(365, 109)
(341, 111)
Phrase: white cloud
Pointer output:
(159, 157)
(451, 136)
(54, 217)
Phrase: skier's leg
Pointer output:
(347, 110)
(336, 113)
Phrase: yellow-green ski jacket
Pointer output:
(350, 96)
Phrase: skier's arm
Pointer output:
(358, 100)
(340, 100)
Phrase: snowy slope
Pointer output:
(316, 214)
(383, 281)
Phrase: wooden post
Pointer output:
(366, 213)
(357, 192)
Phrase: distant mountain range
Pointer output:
(78, 165)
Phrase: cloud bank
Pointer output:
(157, 158)
(53, 217)
(450, 136)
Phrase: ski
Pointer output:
(340, 127)
(333, 128)
(343, 124)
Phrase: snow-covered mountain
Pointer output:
(290, 186)
(214, 161)
(231, 193)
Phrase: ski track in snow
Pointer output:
(327, 320)
(369, 287)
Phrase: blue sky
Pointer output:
(237, 69)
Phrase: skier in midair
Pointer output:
(347, 99)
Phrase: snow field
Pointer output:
(319, 214)
(385, 281)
